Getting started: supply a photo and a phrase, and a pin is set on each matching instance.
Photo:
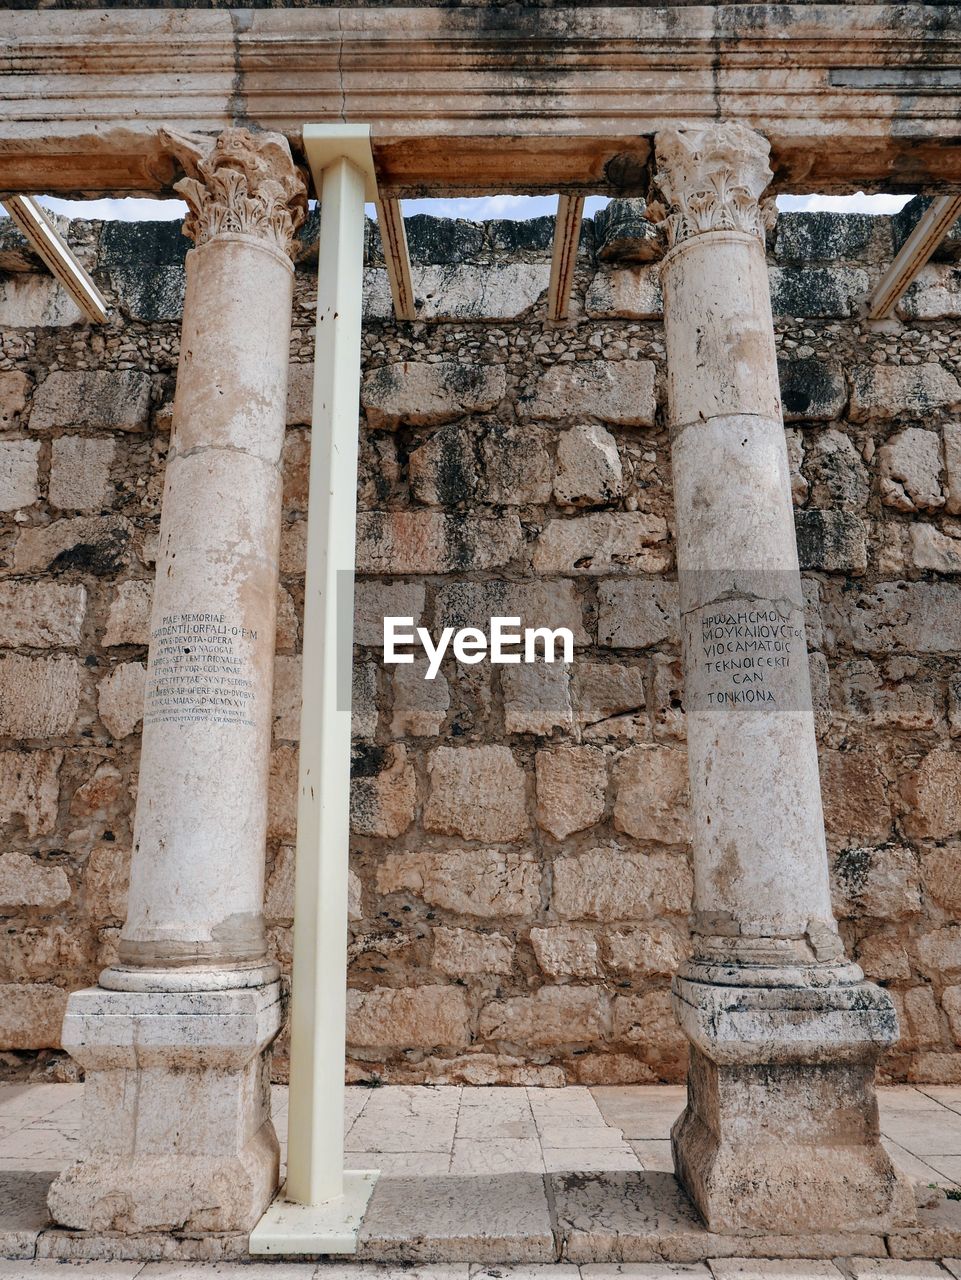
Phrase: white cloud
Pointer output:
(859, 203)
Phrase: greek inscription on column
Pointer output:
(747, 654)
(198, 671)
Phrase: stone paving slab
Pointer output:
(23, 1212)
(768, 1269)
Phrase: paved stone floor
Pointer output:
(500, 1176)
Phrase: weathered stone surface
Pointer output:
(939, 952)
(14, 386)
(646, 1021)
(41, 615)
(30, 788)
(424, 395)
(637, 614)
(19, 464)
(120, 698)
(951, 434)
(476, 792)
(854, 790)
(106, 879)
(812, 390)
(817, 291)
(108, 400)
(653, 795)
(630, 293)
(413, 1018)
(624, 234)
(383, 791)
(934, 295)
(536, 697)
(502, 465)
(472, 604)
(934, 550)
(619, 392)
(39, 697)
(487, 883)
(374, 601)
(839, 479)
(494, 291)
(27, 882)
(432, 542)
(883, 958)
(823, 237)
(941, 874)
(894, 694)
(603, 542)
(80, 472)
(34, 301)
(882, 882)
(606, 691)
(831, 540)
(129, 619)
(654, 951)
(571, 789)
(910, 466)
(901, 391)
(551, 1017)
(912, 617)
(588, 468)
(99, 545)
(933, 792)
(31, 1015)
(611, 883)
(566, 952)
(420, 705)
(460, 951)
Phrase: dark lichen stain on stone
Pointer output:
(367, 760)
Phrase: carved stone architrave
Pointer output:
(712, 178)
(239, 182)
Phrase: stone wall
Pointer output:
(520, 878)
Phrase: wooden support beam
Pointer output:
(567, 234)
(49, 245)
(393, 237)
(930, 229)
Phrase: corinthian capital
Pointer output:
(239, 182)
(712, 177)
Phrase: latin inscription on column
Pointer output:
(748, 655)
(199, 671)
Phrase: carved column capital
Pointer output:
(712, 177)
(239, 182)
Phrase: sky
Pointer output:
(479, 209)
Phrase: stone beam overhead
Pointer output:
(850, 96)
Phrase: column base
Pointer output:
(781, 1130)
(177, 1124)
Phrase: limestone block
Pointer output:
(652, 951)
(619, 392)
(563, 951)
(493, 291)
(80, 472)
(892, 695)
(106, 880)
(98, 796)
(933, 792)
(817, 291)
(279, 894)
(128, 621)
(632, 293)
(287, 686)
(26, 882)
(282, 794)
(653, 794)
(603, 542)
(486, 883)
(420, 705)
(934, 295)
(952, 467)
(537, 604)
(635, 614)
(883, 958)
(107, 400)
(839, 478)
(913, 617)
(476, 792)
(624, 234)
(833, 541)
(355, 897)
(148, 291)
(100, 545)
(610, 884)
(823, 237)
(426, 1017)
(932, 549)
(296, 467)
(854, 790)
(667, 699)
(40, 615)
(383, 791)
(502, 465)
(588, 468)
(459, 951)
(19, 466)
(30, 789)
(882, 882)
(14, 386)
(918, 1019)
(422, 395)
(374, 601)
(31, 1015)
(30, 301)
(648, 1022)
(941, 875)
(571, 789)
(607, 690)
(120, 698)
(288, 631)
(795, 457)
(910, 468)
(951, 1004)
(537, 697)
(883, 391)
(939, 952)
(432, 542)
(39, 697)
(812, 389)
(550, 1018)
(300, 395)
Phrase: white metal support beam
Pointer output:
(390, 219)
(321, 1208)
(567, 234)
(49, 245)
(930, 230)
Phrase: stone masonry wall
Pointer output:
(520, 875)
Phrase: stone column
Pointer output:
(175, 1040)
(780, 1133)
